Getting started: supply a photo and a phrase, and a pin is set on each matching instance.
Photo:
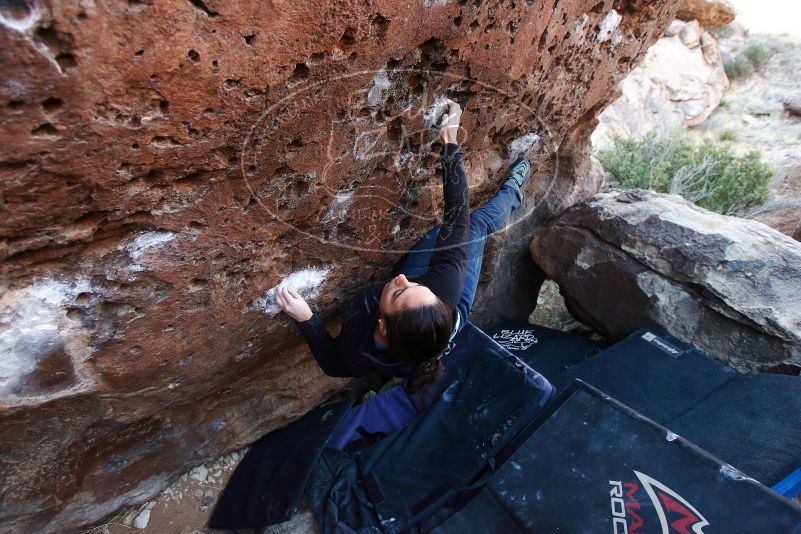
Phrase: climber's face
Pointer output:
(400, 294)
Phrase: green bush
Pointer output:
(728, 135)
(758, 55)
(739, 67)
(751, 59)
(707, 173)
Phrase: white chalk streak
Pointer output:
(307, 282)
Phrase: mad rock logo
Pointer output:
(674, 513)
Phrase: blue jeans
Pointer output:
(483, 222)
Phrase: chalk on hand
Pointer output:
(433, 114)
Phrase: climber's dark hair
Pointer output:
(419, 334)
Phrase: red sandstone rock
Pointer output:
(708, 13)
(165, 163)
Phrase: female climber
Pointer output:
(393, 327)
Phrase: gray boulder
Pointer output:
(730, 286)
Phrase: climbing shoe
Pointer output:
(519, 172)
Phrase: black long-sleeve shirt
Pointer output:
(352, 352)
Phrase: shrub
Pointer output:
(728, 135)
(758, 55)
(739, 67)
(708, 174)
(750, 60)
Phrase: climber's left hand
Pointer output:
(293, 304)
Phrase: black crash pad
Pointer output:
(752, 421)
(548, 351)
(428, 465)
(590, 464)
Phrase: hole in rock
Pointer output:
(139, 52)
(66, 61)
(441, 65)
(543, 40)
(432, 49)
(193, 55)
(190, 181)
(198, 284)
(381, 24)
(44, 129)
(317, 57)
(162, 141)
(348, 38)
(249, 39)
(15, 104)
(598, 8)
(301, 71)
(155, 176)
(231, 83)
(138, 5)
(199, 4)
(49, 37)
(395, 129)
(457, 21)
(52, 104)
(195, 227)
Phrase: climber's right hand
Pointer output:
(293, 304)
(449, 125)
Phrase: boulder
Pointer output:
(729, 286)
(166, 164)
(690, 34)
(783, 210)
(792, 104)
(708, 13)
(679, 83)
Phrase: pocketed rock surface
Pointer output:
(165, 164)
(729, 286)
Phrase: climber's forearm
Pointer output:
(323, 346)
(456, 217)
(446, 269)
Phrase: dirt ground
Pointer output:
(185, 506)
